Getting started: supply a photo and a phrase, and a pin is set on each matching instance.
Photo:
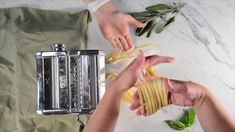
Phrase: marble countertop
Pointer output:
(202, 40)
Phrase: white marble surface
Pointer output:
(202, 40)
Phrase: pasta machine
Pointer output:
(69, 81)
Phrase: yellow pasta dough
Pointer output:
(150, 86)
(153, 95)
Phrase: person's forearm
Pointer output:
(212, 116)
(106, 8)
(105, 116)
(103, 10)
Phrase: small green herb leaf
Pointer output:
(150, 30)
(137, 31)
(188, 118)
(185, 121)
(176, 125)
(141, 14)
(145, 29)
(171, 20)
(165, 25)
(191, 116)
(155, 12)
(159, 7)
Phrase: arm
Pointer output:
(212, 116)
(105, 116)
(114, 25)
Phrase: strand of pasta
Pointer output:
(153, 96)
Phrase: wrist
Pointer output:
(114, 92)
(114, 87)
(202, 97)
(106, 9)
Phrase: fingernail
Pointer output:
(171, 59)
(139, 55)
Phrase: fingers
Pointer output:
(124, 43)
(113, 43)
(135, 22)
(129, 40)
(136, 96)
(137, 64)
(130, 74)
(138, 112)
(141, 62)
(135, 105)
(155, 59)
(180, 93)
(118, 43)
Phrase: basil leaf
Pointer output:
(185, 121)
(159, 7)
(188, 118)
(176, 125)
(184, 118)
(145, 29)
(191, 116)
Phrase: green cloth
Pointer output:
(23, 31)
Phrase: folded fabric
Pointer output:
(23, 31)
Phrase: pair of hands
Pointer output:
(115, 27)
(180, 92)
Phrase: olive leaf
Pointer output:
(151, 29)
(153, 12)
(141, 31)
(160, 8)
(176, 125)
(165, 25)
(187, 120)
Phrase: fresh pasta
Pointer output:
(153, 96)
(150, 85)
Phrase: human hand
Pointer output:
(185, 93)
(181, 93)
(128, 77)
(114, 26)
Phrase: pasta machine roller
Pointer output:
(69, 81)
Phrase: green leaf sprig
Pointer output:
(185, 121)
(156, 18)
